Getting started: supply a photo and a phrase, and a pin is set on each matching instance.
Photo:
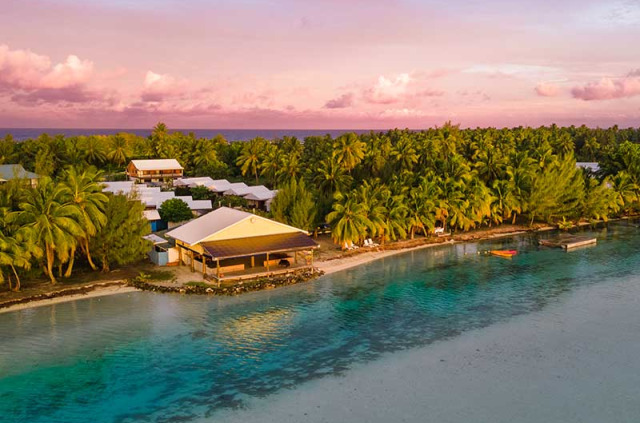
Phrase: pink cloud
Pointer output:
(345, 100)
(158, 87)
(30, 79)
(72, 94)
(547, 89)
(609, 88)
(22, 69)
(388, 90)
(70, 73)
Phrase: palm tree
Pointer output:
(330, 177)
(249, 159)
(421, 207)
(118, 150)
(53, 219)
(404, 153)
(86, 194)
(204, 153)
(395, 218)
(16, 251)
(94, 150)
(271, 164)
(348, 220)
(372, 195)
(349, 150)
(290, 168)
(626, 190)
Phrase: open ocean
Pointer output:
(21, 134)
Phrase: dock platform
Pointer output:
(569, 243)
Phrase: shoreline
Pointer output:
(327, 266)
(57, 297)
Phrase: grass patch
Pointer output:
(159, 275)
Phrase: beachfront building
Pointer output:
(156, 170)
(232, 244)
(9, 172)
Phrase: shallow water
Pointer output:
(149, 357)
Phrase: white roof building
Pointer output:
(153, 196)
(246, 190)
(157, 164)
(220, 185)
(592, 166)
(261, 196)
(194, 182)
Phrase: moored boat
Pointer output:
(504, 253)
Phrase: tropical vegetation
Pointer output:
(389, 185)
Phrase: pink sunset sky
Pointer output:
(370, 64)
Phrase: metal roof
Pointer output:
(15, 171)
(151, 215)
(155, 239)
(261, 196)
(243, 247)
(204, 181)
(198, 229)
(592, 166)
(157, 164)
(245, 190)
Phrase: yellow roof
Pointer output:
(226, 223)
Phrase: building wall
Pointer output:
(160, 258)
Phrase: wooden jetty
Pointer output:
(568, 242)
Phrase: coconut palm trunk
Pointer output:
(50, 257)
(72, 259)
(84, 245)
(17, 286)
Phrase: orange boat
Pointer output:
(504, 253)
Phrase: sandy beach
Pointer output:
(574, 361)
(336, 265)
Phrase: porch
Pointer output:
(250, 258)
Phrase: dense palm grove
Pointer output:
(59, 220)
(388, 186)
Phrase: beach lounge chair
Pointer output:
(438, 230)
(369, 243)
(352, 246)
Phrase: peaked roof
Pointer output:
(13, 171)
(261, 195)
(244, 190)
(151, 214)
(204, 227)
(157, 164)
(204, 181)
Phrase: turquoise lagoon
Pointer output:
(169, 358)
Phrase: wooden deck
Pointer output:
(255, 273)
(569, 243)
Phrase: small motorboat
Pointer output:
(503, 253)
